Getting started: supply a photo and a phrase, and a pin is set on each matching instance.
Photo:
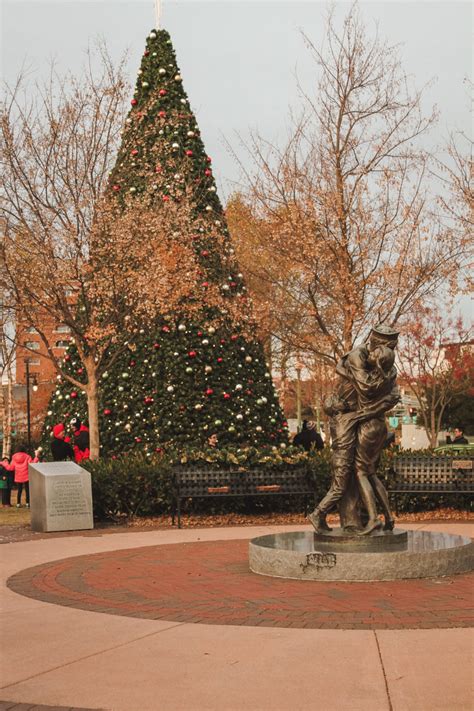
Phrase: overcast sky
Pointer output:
(238, 59)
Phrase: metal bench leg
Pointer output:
(179, 511)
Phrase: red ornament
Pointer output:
(156, 346)
(208, 171)
(162, 92)
(285, 424)
(132, 363)
(158, 449)
(199, 334)
(148, 400)
(67, 357)
(192, 354)
(116, 188)
(222, 341)
(134, 102)
(209, 159)
(232, 283)
(189, 153)
(226, 396)
(134, 152)
(166, 329)
(249, 392)
(205, 284)
(146, 53)
(80, 371)
(107, 411)
(233, 337)
(219, 360)
(138, 439)
(209, 391)
(204, 253)
(158, 169)
(166, 198)
(73, 394)
(162, 114)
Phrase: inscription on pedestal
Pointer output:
(320, 560)
(61, 497)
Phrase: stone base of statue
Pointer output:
(385, 555)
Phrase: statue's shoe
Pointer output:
(373, 525)
(389, 524)
(319, 522)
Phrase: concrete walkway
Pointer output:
(62, 656)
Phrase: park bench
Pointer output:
(412, 474)
(194, 483)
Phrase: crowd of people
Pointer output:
(64, 446)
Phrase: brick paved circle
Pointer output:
(210, 583)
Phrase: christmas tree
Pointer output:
(178, 382)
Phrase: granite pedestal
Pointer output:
(60, 497)
(382, 556)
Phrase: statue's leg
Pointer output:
(382, 498)
(370, 439)
(349, 505)
(343, 433)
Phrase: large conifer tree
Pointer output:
(178, 381)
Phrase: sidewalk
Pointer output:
(149, 651)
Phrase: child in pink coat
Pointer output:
(19, 462)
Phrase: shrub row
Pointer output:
(136, 485)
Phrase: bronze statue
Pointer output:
(366, 391)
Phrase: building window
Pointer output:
(62, 328)
(32, 345)
(68, 292)
(31, 329)
(34, 361)
(62, 344)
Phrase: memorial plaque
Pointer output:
(60, 497)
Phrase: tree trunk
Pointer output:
(93, 410)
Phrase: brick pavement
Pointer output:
(13, 706)
(210, 583)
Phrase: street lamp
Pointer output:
(28, 401)
(298, 368)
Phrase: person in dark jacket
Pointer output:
(309, 437)
(458, 437)
(60, 444)
(81, 440)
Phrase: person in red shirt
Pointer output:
(81, 440)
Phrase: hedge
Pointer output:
(138, 485)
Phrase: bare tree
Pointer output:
(345, 230)
(7, 355)
(436, 359)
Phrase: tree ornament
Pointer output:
(220, 359)
(181, 327)
(178, 77)
(162, 92)
(145, 84)
(107, 411)
(161, 70)
(125, 375)
(209, 391)
(134, 102)
(170, 389)
(189, 370)
(208, 369)
(218, 422)
(73, 394)
(198, 406)
(259, 428)
(192, 354)
(248, 359)
(226, 396)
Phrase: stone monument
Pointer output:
(60, 497)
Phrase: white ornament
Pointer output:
(145, 84)
(211, 330)
(125, 374)
(133, 189)
(258, 428)
(170, 389)
(239, 417)
(190, 134)
(152, 35)
(161, 70)
(175, 146)
(239, 386)
(50, 412)
(208, 369)
(178, 77)
(181, 327)
(198, 406)
(128, 427)
(248, 359)
(120, 387)
(183, 101)
(205, 342)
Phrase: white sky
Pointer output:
(238, 59)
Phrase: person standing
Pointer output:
(458, 437)
(6, 475)
(80, 441)
(309, 437)
(20, 461)
(60, 445)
